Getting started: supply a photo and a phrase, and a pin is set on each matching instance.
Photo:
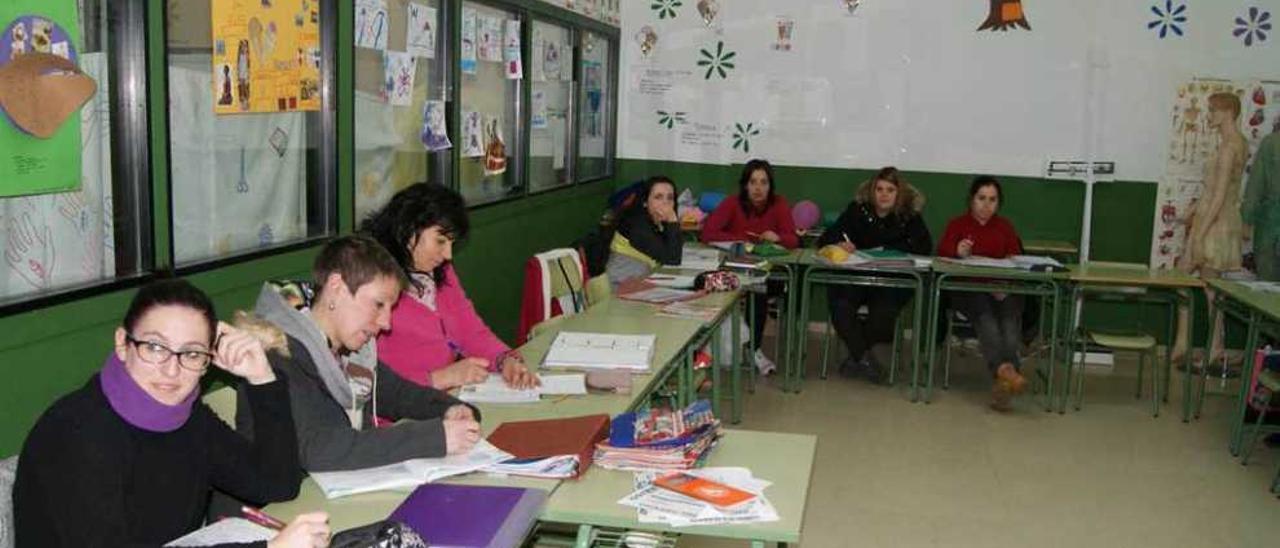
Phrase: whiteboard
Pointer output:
(914, 84)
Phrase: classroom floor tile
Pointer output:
(955, 474)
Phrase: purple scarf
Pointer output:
(135, 405)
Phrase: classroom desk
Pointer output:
(784, 459)
(1260, 311)
(676, 339)
(951, 276)
(1052, 248)
(819, 271)
(1171, 284)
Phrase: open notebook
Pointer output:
(409, 473)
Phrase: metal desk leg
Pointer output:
(1242, 399)
(735, 319)
(802, 330)
(1073, 309)
(930, 341)
(584, 537)
(917, 326)
(1187, 359)
(715, 367)
(1053, 349)
(795, 331)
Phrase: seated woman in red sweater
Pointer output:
(996, 317)
(437, 339)
(756, 214)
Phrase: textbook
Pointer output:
(471, 516)
(600, 351)
(551, 440)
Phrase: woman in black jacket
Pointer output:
(129, 459)
(885, 213)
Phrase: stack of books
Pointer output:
(660, 439)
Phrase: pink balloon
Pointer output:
(806, 214)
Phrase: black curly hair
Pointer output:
(416, 208)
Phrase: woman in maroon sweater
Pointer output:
(996, 317)
(756, 214)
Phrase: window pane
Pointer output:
(595, 127)
(490, 140)
(551, 72)
(393, 88)
(245, 135)
(59, 240)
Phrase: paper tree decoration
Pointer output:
(1005, 14)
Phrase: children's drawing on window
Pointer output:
(31, 252)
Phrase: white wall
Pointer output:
(912, 83)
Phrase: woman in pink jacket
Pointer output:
(436, 337)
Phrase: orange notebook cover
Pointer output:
(703, 489)
(553, 437)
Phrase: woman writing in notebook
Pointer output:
(130, 458)
(648, 234)
(885, 213)
(996, 316)
(439, 340)
(756, 214)
(337, 383)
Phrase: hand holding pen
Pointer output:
(847, 245)
(305, 531)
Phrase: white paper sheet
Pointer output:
(225, 531)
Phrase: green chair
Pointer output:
(899, 326)
(1261, 399)
(1143, 344)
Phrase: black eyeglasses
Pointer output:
(156, 353)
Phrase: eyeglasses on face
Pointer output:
(158, 354)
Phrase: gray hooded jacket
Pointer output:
(321, 397)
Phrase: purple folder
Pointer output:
(471, 516)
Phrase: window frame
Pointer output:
(131, 163)
(579, 25)
(328, 150)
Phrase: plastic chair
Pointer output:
(555, 283)
(899, 326)
(598, 290)
(1143, 344)
(1261, 399)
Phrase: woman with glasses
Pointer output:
(130, 458)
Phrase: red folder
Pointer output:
(553, 437)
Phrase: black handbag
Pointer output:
(382, 534)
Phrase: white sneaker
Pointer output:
(764, 364)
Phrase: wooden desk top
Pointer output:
(1132, 275)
